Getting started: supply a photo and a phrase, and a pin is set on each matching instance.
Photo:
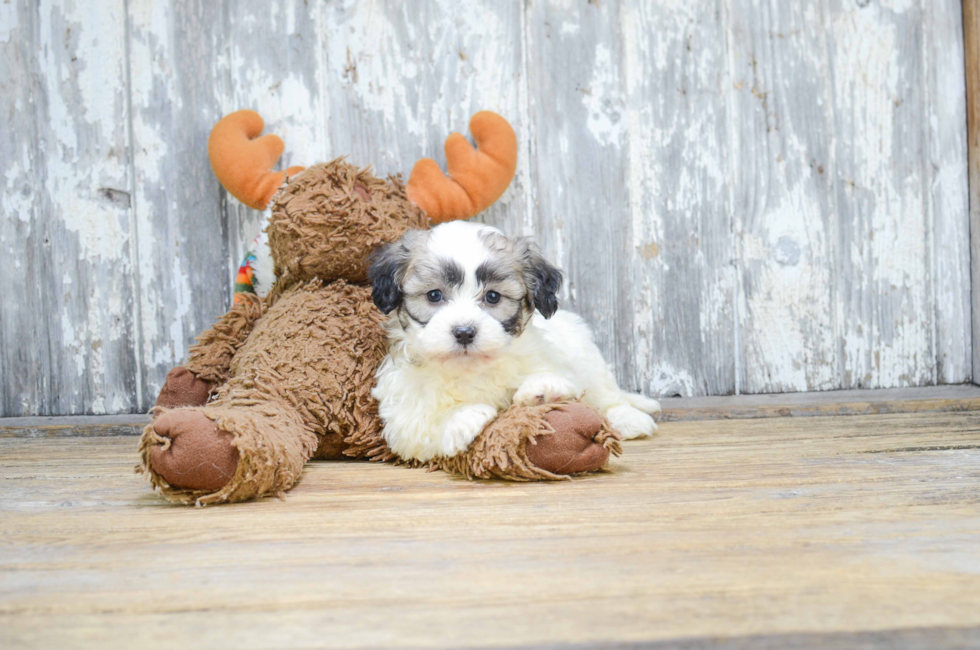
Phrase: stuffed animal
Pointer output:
(287, 377)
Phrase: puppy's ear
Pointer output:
(543, 280)
(386, 271)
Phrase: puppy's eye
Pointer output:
(434, 296)
(492, 297)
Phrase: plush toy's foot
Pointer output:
(573, 447)
(230, 450)
(194, 453)
(183, 388)
(535, 443)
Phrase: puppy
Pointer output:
(474, 327)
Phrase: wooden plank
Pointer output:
(852, 256)
(71, 426)
(971, 36)
(830, 526)
(182, 249)
(24, 352)
(682, 250)
(783, 199)
(946, 172)
(886, 313)
(898, 639)
(579, 167)
(925, 399)
(400, 77)
(69, 341)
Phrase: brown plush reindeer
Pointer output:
(285, 378)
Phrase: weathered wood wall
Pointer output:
(747, 195)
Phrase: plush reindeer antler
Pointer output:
(477, 177)
(243, 162)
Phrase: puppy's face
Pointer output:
(462, 290)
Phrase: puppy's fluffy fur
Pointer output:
(474, 326)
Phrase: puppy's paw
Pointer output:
(630, 422)
(642, 402)
(463, 426)
(543, 389)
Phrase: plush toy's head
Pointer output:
(326, 220)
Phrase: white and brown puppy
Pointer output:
(474, 326)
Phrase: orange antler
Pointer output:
(477, 177)
(243, 162)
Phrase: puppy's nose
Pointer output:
(464, 334)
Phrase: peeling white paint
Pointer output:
(671, 382)
(18, 196)
(75, 173)
(285, 101)
(9, 22)
(366, 57)
(603, 99)
(182, 307)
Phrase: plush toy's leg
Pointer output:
(210, 358)
(535, 443)
(229, 450)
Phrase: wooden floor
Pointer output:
(859, 531)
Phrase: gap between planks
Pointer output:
(928, 399)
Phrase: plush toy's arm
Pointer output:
(210, 358)
(537, 443)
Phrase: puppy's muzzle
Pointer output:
(464, 334)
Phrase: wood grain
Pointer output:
(819, 527)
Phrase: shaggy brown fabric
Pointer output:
(321, 227)
(501, 451)
(194, 454)
(183, 388)
(210, 358)
(317, 349)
